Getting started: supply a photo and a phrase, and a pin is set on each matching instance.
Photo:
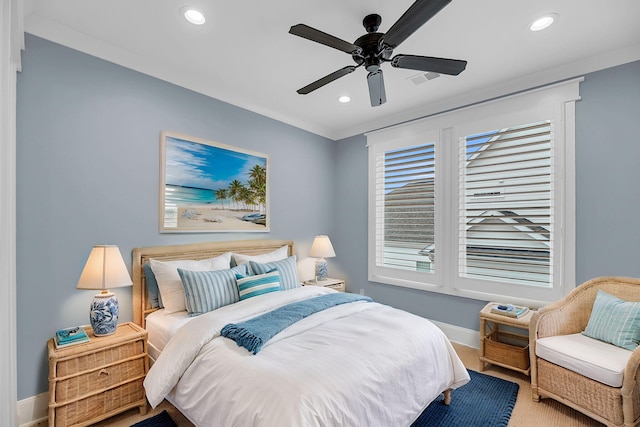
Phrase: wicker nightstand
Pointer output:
(93, 381)
(337, 284)
(502, 347)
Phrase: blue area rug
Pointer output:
(161, 420)
(485, 401)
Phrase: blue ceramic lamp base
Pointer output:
(104, 314)
(321, 269)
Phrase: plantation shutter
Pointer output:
(506, 225)
(405, 208)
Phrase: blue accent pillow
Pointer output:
(614, 321)
(287, 268)
(252, 286)
(153, 292)
(206, 291)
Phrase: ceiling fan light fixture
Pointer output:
(543, 22)
(344, 99)
(193, 15)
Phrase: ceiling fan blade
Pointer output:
(376, 88)
(318, 36)
(428, 63)
(419, 13)
(326, 79)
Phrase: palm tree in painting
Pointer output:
(258, 184)
(235, 190)
(221, 195)
(246, 197)
(258, 176)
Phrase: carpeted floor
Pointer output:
(485, 401)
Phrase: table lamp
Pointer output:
(104, 269)
(321, 249)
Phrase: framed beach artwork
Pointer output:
(206, 186)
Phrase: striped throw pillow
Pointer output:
(614, 321)
(287, 268)
(153, 292)
(207, 290)
(251, 286)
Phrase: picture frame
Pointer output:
(210, 187)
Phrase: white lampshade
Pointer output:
(104, 269)
(322, 248)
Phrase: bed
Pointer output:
(354, 363)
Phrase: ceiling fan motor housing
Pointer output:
(372, 52)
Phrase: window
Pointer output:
(505, 215)
(405, 199)
(478, 202)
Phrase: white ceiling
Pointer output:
(245, 56)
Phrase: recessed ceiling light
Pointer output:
(543, 22)
(344, 99)
(194, 16)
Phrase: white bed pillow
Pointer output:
(277, 255)
(169, 283)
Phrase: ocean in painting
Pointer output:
(189, 208)
(178, 195)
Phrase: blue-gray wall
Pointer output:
(608, 174)
(607, 199)
(88, 135)
(87, 165)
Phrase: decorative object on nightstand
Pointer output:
(70, 336)
(337, 284)
(105, 269)
(509, 310)
(321, 249)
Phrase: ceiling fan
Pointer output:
(373, 48)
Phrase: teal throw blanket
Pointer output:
(252, 334)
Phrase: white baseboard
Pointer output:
(464, 336)
(33, 411)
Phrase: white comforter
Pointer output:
(356, 364)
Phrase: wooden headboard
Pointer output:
(142, 307)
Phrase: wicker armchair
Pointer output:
(609, 405)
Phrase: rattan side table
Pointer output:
(500, 344)
(93, 381)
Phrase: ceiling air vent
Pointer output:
(423, 77)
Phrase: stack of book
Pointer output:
(70, 336)
(509, 310)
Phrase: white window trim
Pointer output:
(555, 102)
(11, 45)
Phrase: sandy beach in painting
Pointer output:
(215, 218)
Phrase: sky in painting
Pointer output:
(196, 165)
